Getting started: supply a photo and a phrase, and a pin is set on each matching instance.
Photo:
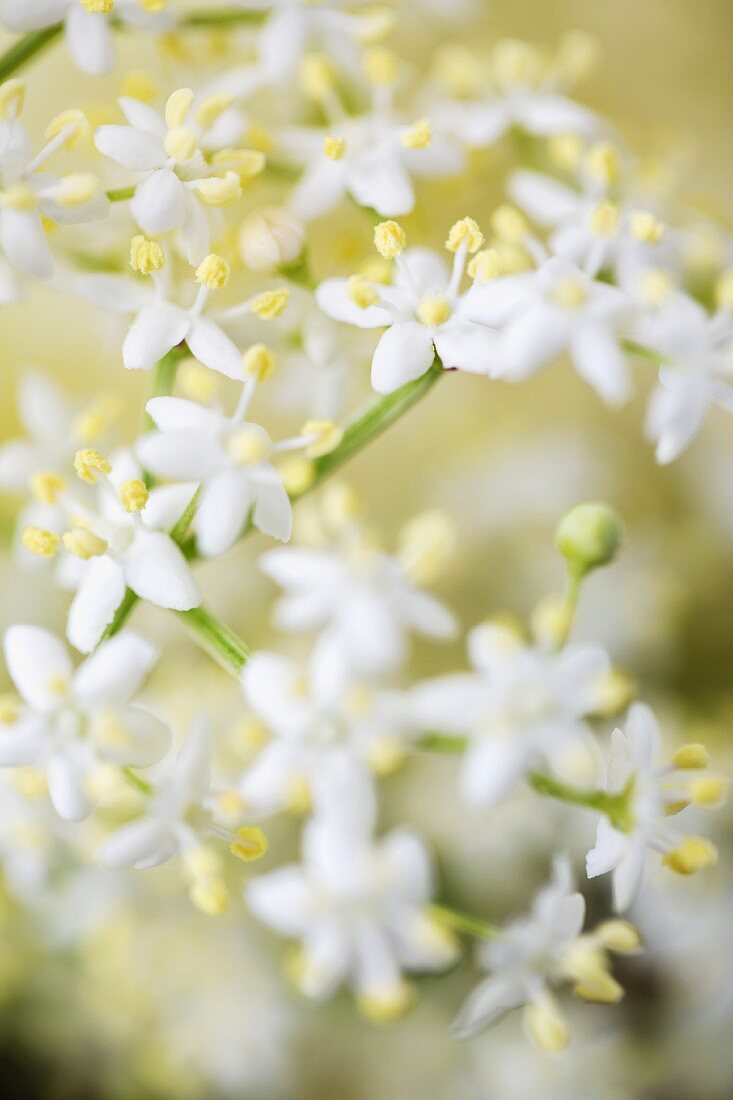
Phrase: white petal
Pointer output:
(273, 512)
(35, 659)
(546, 200)
(159, 202)
(172, 414)
(166, 504)
(468, 346)
(269, 682)
(137, 150)
(609, 850)
(332, 298)
(490, 1000)
(142, 116)
(225, 501)
(43, 408)
(97, 598)
(117, 293)
(187, 455)
(115, 671)
(281, 900)
(629, 875)
(378, 179)
(534, 339)
(134, 843)
(192, 769)
(155, 330)
(195, 230)
(147, 738)
(491, 770)
(428, 615)
(599, 359)
(89, 37)
(23, 241)
(26, 742)
(404, 352)
(211, 346)
(26, 15)
(156, 570)
(320, 188)
(494, 303)
(66, 775)
(554, 114)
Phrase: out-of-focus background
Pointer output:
(124, 990)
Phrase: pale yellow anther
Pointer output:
(376, 269)
(9, 709)
(202, 861)
(230, 806)
(334, 147)
(486, 265)
(153, 6)
(146, 256)
(386, 755)
(19, 196)
(98, 7)
(88, 463)
(139, 85)
(251, 843)
(297, 474)
(433, 311)
(709, 793)
(459, 71)
(211, 107)
(565, 151)
(342, 505)
(619, 936)
(177, 107)
(601, 987)
(259, 361)
(133, 495)
(602, 161)
(724, 290)
(210, 895)
(220, 190)
(76, 125)
(361, 292)
(546, 1027)
(247, 163)
(75, 190)
(695, 853)
(605, 219)
(39, 541)
(318, 76)
(84, 544)
(213, 272)
(425, 545)
(655, 286)
(298, 796)
(327, 436)
(509, 224)
(417, 136)
(93, 421)
(248, 446)
(516, 62)
(465, 232)
(390, 239)
(645, 227)
(551, 621)
(196, 381)
(384, 1006)
(691, 757)
(12, 96)
(270, 303)
(180, 144)
(381, 66)
(47, 486)
(569, 293)
(614, 691)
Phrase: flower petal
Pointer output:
(156, 570)
(135, 149)
(225, 501)
(159, 202)
(155, 330)
(212, 347)
(404, 352)
(38, 663)
(97, 598)
(115, 671)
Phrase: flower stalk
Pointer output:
(462, 922)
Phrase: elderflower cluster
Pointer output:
(262, 224)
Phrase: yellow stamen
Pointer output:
(360, 292)
(602, 161)
(695, 853)
(197, 381)
(211, 107)
(75, 190)
(180, 144)
(139, 85)
(259, 361)
(328, 436)
(18, 197)
(318, 76)
(691, 757)
(298, 797)
(177, 107)
(146, 256)
(248, 446)
(709, 793)
(389, 239)
(381, 66)
(645, 227)
(47, 486)
(342, 504)
(619, 936)
(655, 286)
(486, 265)
(39, 541)
(724, 290)
(386, 756)
(384, 1006)
(133, 495)
(98, 7)
(297, 474)
(417, 136)
(551, 621)
(565, 150)
(546, 1027)
(92, 422)
(84, 544)
(220, 190)
(77, 124)
(433, 311)
(333, 147)
(251, 843)
(88, 462)
(516, 62)
(466, 230)
(604, 220)
(9, 709)
(12, 96)
(247, 163)
(568, 292)
(210, 895)
(509, 224)
(270, 303)
(425, 546)
(213, 272)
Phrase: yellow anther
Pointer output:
(74, 190)
(84, 544)
(9, 709)
(724, 289)
(601, 987)
(177, 108)
(672, 808)
(47, 486)
(569, 292)
(92, 422)
(197, 381)
(619, 936)
(515, 62)
(211, 107)
(210, 895)
(248, 446)
(180, 144)
(270, 303)
(133, 495)
(546, 1027)
(39, 541)
(298, 797)
(604, 220)
(72, 122)
(384, 1006)
(459, 71)
(551, 621)
(213, 272)
(247, 163)
(417, 136)
(260, 138)
(334, 147)
(433, 311)
(695, 853)
(425, 546)
(153, 6)
(259, 361)
(12, 96)
(318, 76)
(386, 756)
(390, 239)
(602, 161)
(486, 265)
(709, 793)
(691, 757)
(18, 197)
(342, 504)
(139, 85)
(220, 190)
(465, 231)
(509, 224)
(88, 462)
(297, 474)
(98, 7)
(251, 843)
(577, 55)
(360, 292)
(327, 434)
(614, 692)
(381, 66)
(645, 227)
(565, 151)
(655, 286)
(229, 805)
(146, 256)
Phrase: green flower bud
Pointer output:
(588, 536)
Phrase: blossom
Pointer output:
(424, 314)
(646, 794)
(51, 427)
(521, 707)
(70, 721)
(359, 908)
(531, 955)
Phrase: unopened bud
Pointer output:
(271, 238)
(588, 536)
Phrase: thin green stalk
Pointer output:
(216, 639)
(137, 782)
(614, 806)
(120, 194)
(216, 19)
(462, 922)
(25, 48)
(442, 742)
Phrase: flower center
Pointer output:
(433, 311)
(569, 292)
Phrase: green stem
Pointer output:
(614, 806)
(462, 922)
(25, 48)
(442, 742)
(223, 18)
(137, 782)
(218, 640)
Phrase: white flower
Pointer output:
(51, 436)
(646, 795)
(315, 715)
(71, 721)
(89, 34)
(230, 458)
(173, 190)
(360, 909)
(424, 314)
(554, 309)
(531, 955)
(697, 370)
(521, 708)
